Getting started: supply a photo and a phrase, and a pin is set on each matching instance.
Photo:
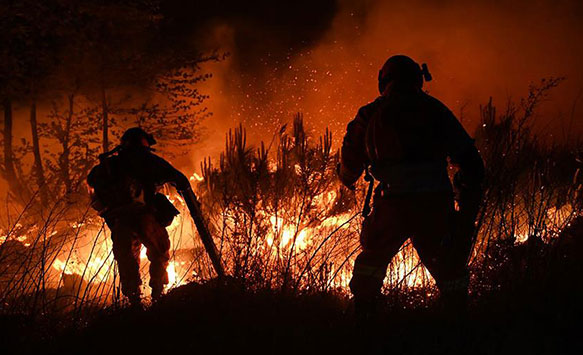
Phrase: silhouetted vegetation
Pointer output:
(288, 231)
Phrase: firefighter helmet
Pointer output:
(135, 136)
(400, 68)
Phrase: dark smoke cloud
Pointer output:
(260, 28)
(118, 42)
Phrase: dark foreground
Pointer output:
(219, 319)
(530, 302)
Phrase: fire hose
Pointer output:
(203, 231)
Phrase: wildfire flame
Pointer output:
(90, 260)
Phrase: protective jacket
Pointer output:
(133, 175)
(406, 137)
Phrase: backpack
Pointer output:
(110, 185)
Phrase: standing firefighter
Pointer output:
(124, 193)
(404, 139)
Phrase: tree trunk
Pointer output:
(38, 165)
(65, 156)
(9, 171)
(105, 126)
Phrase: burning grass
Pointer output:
(282, 222)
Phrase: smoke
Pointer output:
(474, 51)
(258, 27)
(53, 48)
(321, 58)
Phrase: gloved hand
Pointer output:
(468, 194)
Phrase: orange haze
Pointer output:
(474, 51)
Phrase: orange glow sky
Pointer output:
(474, 51)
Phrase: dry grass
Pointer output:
(283, 222)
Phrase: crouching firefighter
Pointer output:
(124, 192)
(404, 138)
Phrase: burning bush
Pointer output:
(282, 221)
(282, 217)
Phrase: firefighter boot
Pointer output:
(157, 292)
(135, 301)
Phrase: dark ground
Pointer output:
(535, 308)
(220, 319)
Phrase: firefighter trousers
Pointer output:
(131, 227)
(428, 219)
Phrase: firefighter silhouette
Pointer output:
(124, 193)
(404, 138)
